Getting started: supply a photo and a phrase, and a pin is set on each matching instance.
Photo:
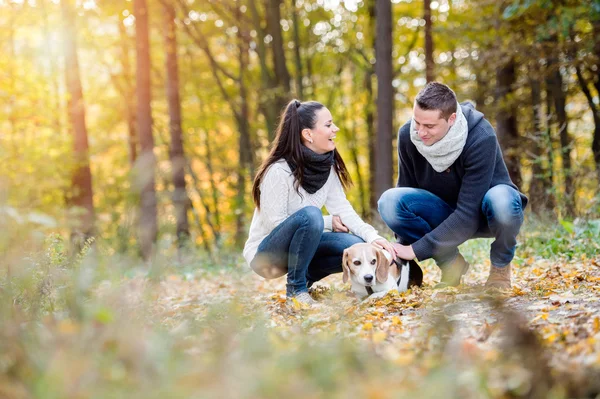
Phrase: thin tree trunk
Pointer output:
(82, 195)
(507, 130)
(267, 99)
(176, 153)
(213, 189)
(148, 226)
(370, 125)
(550, 141)
(540, 191)
(555, 82)
(129, 100)
(596, 115)
(385, 97)
(596, 138)
(245, 167)
(297, 57)
(370, 113)
(196, 186)
(429, 63)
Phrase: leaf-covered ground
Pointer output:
(102, 325)
(540, 338)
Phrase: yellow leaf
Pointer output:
(367, 326)
(551, 338)
(543, 316)
(596, 325)
(396, 321)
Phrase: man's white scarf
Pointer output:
(442, 154)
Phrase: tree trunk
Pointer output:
(297, 56)
(148, 228)
(176, 154)
(370, 127)
(596, 138)
(385, 97)
(267, 99)
(429, 63)
(129, 100)
(595, 114)
(282, 76)
(370, 114)
(555, 86)
(245, 167)
(82, 195)
(540, 191)
(506, 120)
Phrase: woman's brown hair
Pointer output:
(287, 144)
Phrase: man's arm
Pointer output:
(464, 221)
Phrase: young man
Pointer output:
(453, 185)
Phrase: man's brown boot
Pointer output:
(499, 277)
(453, 272)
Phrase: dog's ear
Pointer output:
(345, 267)
(383, 266)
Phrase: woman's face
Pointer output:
(322, 134)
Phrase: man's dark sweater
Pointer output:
(463, 185)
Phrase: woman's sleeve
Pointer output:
(274, 196)
(338, 204)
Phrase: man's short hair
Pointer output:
(437, 96)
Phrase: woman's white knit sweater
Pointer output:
(279, 199)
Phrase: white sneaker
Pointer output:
(302, 300)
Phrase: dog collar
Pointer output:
(369, 290)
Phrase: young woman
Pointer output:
(302, 173)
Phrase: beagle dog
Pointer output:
(373, 272)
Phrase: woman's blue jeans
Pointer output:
(301, 247)
(411, 213)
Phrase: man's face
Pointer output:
(430, 125)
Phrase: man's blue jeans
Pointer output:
(300, 247)
(411, 213)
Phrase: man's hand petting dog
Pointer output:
(373, 273)
(404, 251)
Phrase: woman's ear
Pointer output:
(307, 135)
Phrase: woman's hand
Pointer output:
(337, 225)
(388, 246)
(404, 251)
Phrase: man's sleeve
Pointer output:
(406, 174)
(464, 221)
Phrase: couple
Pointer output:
(453, 185)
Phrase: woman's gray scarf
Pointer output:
(441, 155)
(317, 168)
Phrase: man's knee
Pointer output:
(502, 204)
(392, 200)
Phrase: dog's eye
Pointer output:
(373, 261)
(357, 262)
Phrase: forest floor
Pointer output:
(540, 338)
(103, 325)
